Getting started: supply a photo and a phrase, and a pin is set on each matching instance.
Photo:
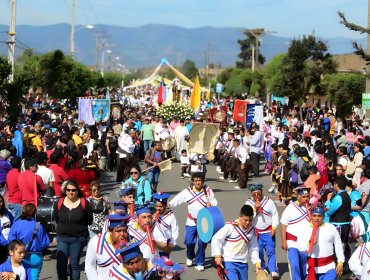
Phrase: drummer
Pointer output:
(234, 243)
(100, 254)
(198, 196)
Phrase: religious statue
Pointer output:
(176, 90)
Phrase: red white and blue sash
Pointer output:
(104, 245)
(304, 215)
(242, 235)
(263, 204)
(197, 197)
(364, 250)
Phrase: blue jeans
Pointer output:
(147, 145)
(69, 247)
(34, 261)
(16, 210)
(236, 270)
(191, 238)
(153, 175)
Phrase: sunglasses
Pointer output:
(71, 190)
(134, 172)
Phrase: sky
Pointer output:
(285, 18)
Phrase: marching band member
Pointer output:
(198, 196)
(152, 240)
(165, 221)
(242, 156)
(134, 266)
(266, 221)
(359, 258)
(234, 243)
(321, 263)
(293, 220)
(101, 251)
(167, 269)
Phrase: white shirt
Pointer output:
(46, 174)
(167, 225)
(295, 218)
(5, 226)
(196, 201)
(100, 257)
(269, 217)
(126, 143)
(20, 272)
(328, 239)
(359, 258)
(235, 244)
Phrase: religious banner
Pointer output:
(240, 109)
(116, 112)
(258, 114)
(165, 165)
(84, 111)
(100, 109)
(203, 138)
(249, 115)
(218, 114)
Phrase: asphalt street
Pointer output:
(230, 202)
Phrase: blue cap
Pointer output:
(168, 267)
(130, 252)
(318, 210)
(161, 197)
(255, 187)
(302, 190)
(47, 126)
(120, 205)
(116, 220)
(125, 188)
(144, 209)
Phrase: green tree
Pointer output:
(344, 90)
(306, 62)
(273, 76)
(189, 69)
(245, 54)
(5, 70)
(113, 79)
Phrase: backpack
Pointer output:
(293, 177)
(303, 173)
(83, 203)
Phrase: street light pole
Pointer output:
(96, 51)
(368, 49)
(72, 47)
(11, 42)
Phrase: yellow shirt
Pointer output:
(77, 139)
(36, 141)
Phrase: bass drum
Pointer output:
(44, 214)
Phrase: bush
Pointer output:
(182, 110)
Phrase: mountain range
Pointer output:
(144, 46)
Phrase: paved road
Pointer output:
(230, 202)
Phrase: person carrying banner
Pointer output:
(266, 221)
(243, 164)
(234, 243)
(198, 196)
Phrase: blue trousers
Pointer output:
(16, 210)
(69, 247)
(147, 145)
(191, 238)
(34, 261)
(236, 270)
(267, 243)
(297, 264)
(329, 275)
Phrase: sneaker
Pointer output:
(271, 190)
(187, 175)
(237, 187)
(182, 177)
(275, 275)
(199, 267)
(218, 168)
(189, 262)
(221, 178)
(233, 181)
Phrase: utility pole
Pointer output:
(72, 47)
(11, 42)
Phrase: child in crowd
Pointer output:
(185, 162)
(312, 183)
(13, 267)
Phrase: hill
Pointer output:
(144, 46)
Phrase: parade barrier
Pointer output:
(209, 221)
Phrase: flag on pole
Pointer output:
(195, 95)
(165, 165)
(162, 93)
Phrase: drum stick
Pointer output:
(149, 238)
